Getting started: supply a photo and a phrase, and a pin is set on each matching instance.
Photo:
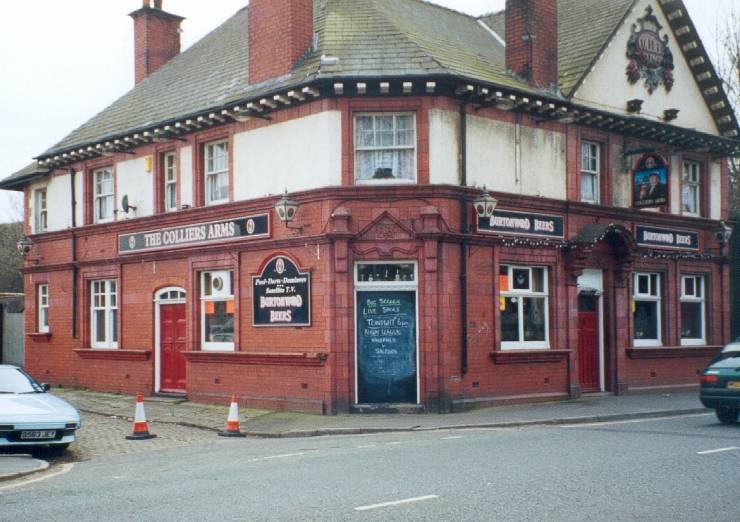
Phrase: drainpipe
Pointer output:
(73, 206)
(463, 159)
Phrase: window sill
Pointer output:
(258, 358)
(40, 336)
(113, 354)
(520, 356)
(672, 352)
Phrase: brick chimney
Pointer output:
(280, 32)
(532, 41)
(156, 38)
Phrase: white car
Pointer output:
(30, 416)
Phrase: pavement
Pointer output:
(173, 417)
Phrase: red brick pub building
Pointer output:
(299, 209)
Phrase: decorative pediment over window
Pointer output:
(649, 54)
(386, 228)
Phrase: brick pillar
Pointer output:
(156, 38)
(280, 32)
(532, 40)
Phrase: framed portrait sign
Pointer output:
(650, 182)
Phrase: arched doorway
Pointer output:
(600, 261)
(170, 340)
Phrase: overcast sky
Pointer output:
(65, 60)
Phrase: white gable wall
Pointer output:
(186, 176)
(606, 86)
(58, 201)
(444, 139)
(299, 154)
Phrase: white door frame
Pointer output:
(392, 286)
(593, 279)
(162, 298)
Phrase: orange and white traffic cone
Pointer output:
(141, 430)
(232, 422)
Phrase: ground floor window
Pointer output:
(43, 308)
(104, 312)
(693, 330)
(217, 310)
(646, 312)
(523, 307)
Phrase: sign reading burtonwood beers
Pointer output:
(201, 233)
(522, 223)
(666, 238)
(281, 295)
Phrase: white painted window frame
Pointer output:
(691, 180)
(208, 154)
(650, 296)
(520, 293)
(98, 195)
(40, 211)
(169, 167)
(107, 290)
(594, 154)
(43, 308)
(210, 346)
(699, 283)
(359, 149)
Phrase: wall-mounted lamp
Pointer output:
(287, 209)
(484, 204)
(670, 114)
(723, 233)
(24, 245)
(634, 106)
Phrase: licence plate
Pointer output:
(733, 384)
(40, 434)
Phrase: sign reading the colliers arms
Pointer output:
(198, 234)
(667, 238)
(281, 294)
(522, 223)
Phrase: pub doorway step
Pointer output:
(175, 398)
(387, 408)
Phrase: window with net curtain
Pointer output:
(385, 148)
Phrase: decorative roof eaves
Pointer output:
(696, 56)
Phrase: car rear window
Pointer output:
(13, 380)
(727, 360)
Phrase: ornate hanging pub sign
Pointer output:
(282, 294)
(649, 54)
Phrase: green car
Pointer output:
(720, 384)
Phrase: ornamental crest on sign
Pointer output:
(649, 54)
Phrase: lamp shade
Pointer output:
(286, 208)
(484, 204)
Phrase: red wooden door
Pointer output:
(171, 345)
(588, 343)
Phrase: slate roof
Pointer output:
(371, 38)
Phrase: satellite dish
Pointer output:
(125, 204)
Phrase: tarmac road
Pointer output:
(683, 468)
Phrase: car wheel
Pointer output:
(727, 415)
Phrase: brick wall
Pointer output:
(532, 40)
(280, 32)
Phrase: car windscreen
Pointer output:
(13, 380)
(727, 360)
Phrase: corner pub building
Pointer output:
(348, 205)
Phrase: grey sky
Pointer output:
(65, 60)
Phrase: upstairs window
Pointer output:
(217, 310)
(646, 312)
(43, 308)
(691, 188)
(216, 158)
(385, 148)
(40, 215)
(693, 324)
(523, 304)
(170, 182)
(103, 196)
(104, 312)
(590, 172)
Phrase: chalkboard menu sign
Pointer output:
(281, 295)
(386, 347)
